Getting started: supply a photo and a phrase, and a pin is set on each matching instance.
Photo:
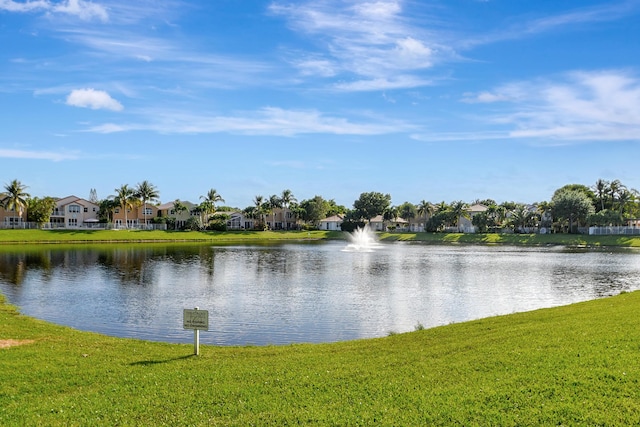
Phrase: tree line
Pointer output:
(606, 203)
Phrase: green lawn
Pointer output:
(9, 236)
(573, 365)
(80, 236)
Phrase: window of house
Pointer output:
(148, 211)
(72, 222)
(86, 209)
(74, 208)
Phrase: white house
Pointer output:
(332, 223)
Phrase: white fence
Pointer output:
(627, 231)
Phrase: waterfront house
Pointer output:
(332, 223)
(73, 211)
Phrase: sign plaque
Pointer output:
(195, 319)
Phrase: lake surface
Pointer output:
(315, 292)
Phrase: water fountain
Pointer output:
(363, 239)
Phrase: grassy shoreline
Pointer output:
(12, 237)
(571, 365)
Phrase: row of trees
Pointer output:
(604, 204)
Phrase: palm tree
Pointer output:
(125, 197)
(389, 214)
(625, 197)
(458, 211)
(145, 191)
(15, 197)
(273, 203)
(601, 188)
(425, 209)
(615, 189)
(208, 206)
(259, 202)
(287, 198)
(178, 208)
(521, 217)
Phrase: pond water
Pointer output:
(311, 292)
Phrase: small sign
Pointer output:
(195, 319)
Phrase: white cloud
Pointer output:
(38, 155)
(266, 121)
(373, 41)
(94, 99)
(575, 107)
(393, 82)
(28, 6)
(82, 9)
(607, 11)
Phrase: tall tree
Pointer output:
(521, 217)
(601, 188)
(371, 204)
(125, 197)
(93, 196)
(39, 210)
(259, 208)
(459, 211)
(287, 198)
(314, 210)
(389, 214)
(408, 212)
(15, 197)
(146, 192)
(208, 206)
(571, 205)
(178, 208)
(425, 209)
(273, 203)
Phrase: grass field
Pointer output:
(95, 236)
(573, 365)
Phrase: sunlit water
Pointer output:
(301, 292)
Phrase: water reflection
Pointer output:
(299, 292)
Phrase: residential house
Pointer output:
(332, 223)
(72, 211)
(9, 218)
(168, 210)
(135, 216)
(378, 223)
(466, 224)
(277, 219)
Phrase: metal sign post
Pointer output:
(195, 319)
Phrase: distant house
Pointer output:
(466, 224)
(168, 210)
(378, 223)
(332, 223)
(10, 218)
(72, 211)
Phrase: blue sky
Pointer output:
(440, 100)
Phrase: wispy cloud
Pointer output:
(82, 9)
(267, 121)
(577, 107)
(94, 99)
(373, 42)
(37, 155)
(607, 11)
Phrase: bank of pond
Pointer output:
(17, 236)
(571, 365)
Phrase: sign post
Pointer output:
(195, 319)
